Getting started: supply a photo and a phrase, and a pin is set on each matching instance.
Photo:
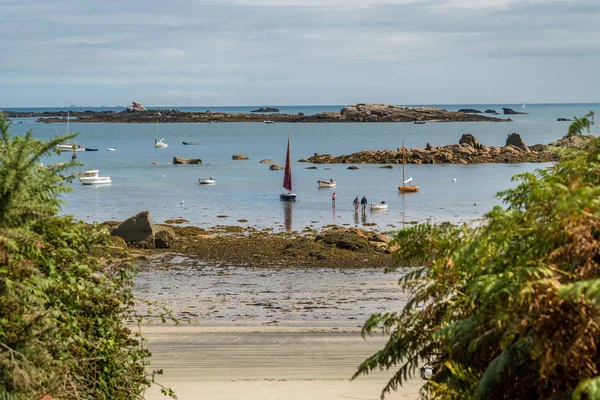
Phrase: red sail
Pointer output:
(287, 178)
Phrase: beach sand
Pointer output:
(267, 363)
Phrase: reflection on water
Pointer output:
(363, 216)
(288, 215)
(333, 213)
(356, 218)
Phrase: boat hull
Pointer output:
(68, 147)
(89, 149)
(207, 181)
(408, 189)
(102, 180)
(190, 143)
(326, 184)
(287, 197)
(377, 207)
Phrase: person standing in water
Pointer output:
(333, 198)
(363, 203)
(356, 202)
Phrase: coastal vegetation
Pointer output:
(508, 308)
(64, 302)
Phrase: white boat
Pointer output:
(210, 181)
(160, 144)
(111, 149)
(91, 177)
(523, 107)
(269, 122)
(379, 206)
(326, 184)
(70, 147)
(287, 178)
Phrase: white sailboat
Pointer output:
(68, 146)
(523, 107)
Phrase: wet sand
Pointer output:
(253, 333)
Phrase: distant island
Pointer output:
(137, 113)
(267, 109)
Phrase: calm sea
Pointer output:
(248, 190)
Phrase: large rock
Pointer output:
(575, 141)
(510, 111)
(181, 160)
(470, 140)
(275, 167)
(163, 236)
(137, 231)
(135, 107)
(266, 161)
(516, 140)
(239, 157)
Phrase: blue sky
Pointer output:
(292, 52)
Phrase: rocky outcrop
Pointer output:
(470, 140)
(266, 161)
(467, 151)
(239, 157)
(353, 239)
(469, 111)
(490, 111)
(573, 142)
(139, 231)
(510, 111)
(266, 109)
(275, 167)
(514, 139)
(135, 107)
(359, 113)
(180, 160)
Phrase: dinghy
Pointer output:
(326, 184)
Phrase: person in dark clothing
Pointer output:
(356, 202)
(363, 203)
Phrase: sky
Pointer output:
(298, 52)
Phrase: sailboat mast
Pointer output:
(403, 163)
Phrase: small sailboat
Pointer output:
(111, 149)
(406, 186)
(160, 144)
(287, 178)
(523, 107)
(69, 146)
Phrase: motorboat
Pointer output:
(90, 149)
(92, 177)
(269, 122)
(111, 149)
(190, 143)
(419, 122)
(160, 144)
(326, 184)
(287, 178)
(69, 147)
(209, 181)
(379, 206)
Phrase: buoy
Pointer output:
(182, 202)
(453, 180)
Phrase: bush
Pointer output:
(507, 309)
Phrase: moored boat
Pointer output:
(70, 147)
(190, 143)
(406, 186)
(209, 181)
(326, 184)
(269, 122)
(287, 178)
(90, 149)
(111, 149)
(160, 144)
(379, 206)
(92, 177)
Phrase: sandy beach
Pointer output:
(266, 363)
(252, 333)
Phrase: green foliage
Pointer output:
(508, 308)
(62, 307)
(581, 124)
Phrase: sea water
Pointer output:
(247, 192)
